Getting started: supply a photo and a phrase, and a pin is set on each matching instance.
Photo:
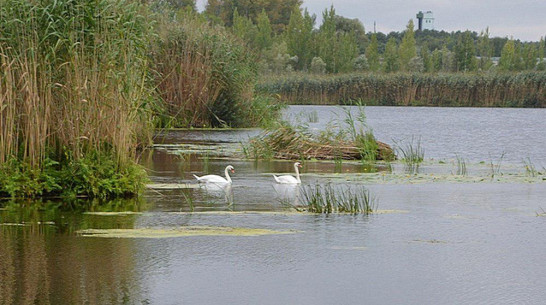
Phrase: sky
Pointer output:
(520, 19)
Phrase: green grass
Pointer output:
(328, 199)
(412, 154)
(461, 166)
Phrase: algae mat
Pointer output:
(178, 232)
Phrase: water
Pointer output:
(437, 242)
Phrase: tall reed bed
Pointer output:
(526, 89)
(206, 76)
(73, 97)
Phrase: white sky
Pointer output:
(521, 19)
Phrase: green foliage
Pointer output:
(372, 54)
(299, 36)
(337, 49)
(264, 38)
(318, 66)
(360, 63)
(390, 57)
(327, 199)
(407, 49)
(485, 51)
(465, 53)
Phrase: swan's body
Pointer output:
(216, 178)
(289, 179)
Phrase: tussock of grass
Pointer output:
(327, 199)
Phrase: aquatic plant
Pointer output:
(73, 90)
(412, 154)
(461, 166)
(530, 169)
(495, 167)
(345, 142)
(327, 199)
(525, 89)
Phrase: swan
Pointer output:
(216, 178)
(289, 179)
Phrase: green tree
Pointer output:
(485, 50)
(465, 53)
(263, 35)
(390, 57)
(530, 55)
(372, 54)
(437, 60)
(243, 27)
(299, 36)
(507, 61)
(407, 49)
(428, 64)
(355, 28)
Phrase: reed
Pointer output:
(205, 76)
(327, 199)
(461, 166)
(412, 154)
(525, 89)
(73, 92)
(530, 169)
(495, 166)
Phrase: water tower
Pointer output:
(425, 20)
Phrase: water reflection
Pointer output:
(215, 193)
(287, 194)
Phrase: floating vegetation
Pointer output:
(177, 232)
(541, 213)
(327, 199)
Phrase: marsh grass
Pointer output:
(495, 166)
(412, 154)
(461, 166)
(530, 169)
(74, 96)
(346, 139)
(328, 199)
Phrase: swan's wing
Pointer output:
(286, 179)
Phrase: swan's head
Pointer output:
(230, 168)
(297, 164)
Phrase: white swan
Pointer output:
(289, 179)
(216, 178)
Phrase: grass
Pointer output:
(348, 139)
(495, 167)
(530, 169)
(412, 154)
(327, 199)
(523, 89)
(461, 166)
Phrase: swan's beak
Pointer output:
(232, 171)
(299, 165)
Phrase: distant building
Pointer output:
(425, 20)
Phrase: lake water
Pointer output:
(438, 238)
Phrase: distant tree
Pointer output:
(448, 60)
(390, 57)
(529, 56)
(264, 31)
(485, 50)
(337, 49)
(416, 65)
(436, 60)
(243, 27)
(278, 11)
(353, 27)
(177, 4)
(428, 64)
(299, 36)
(318, 65)
(361, 63)
(465, 53)
(507, 61)
(407, 49)
(372, 54)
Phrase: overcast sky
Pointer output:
(521, 19)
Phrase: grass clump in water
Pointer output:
(348, 140)
(412, 154)
(327, 199)
(461, 166)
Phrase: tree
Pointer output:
(485, 50)
(407, 48)
(390, 57)
(465, 53)
(278, 11)
(263, 35)
(372, 54)
(507, 61)
(299, 36)
(530, 54)
(243, 27)
(336, 49)
(428, 65)
(353, 27)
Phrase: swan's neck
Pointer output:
(297, 173)
(228, 178)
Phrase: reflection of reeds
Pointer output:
(327, 199)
